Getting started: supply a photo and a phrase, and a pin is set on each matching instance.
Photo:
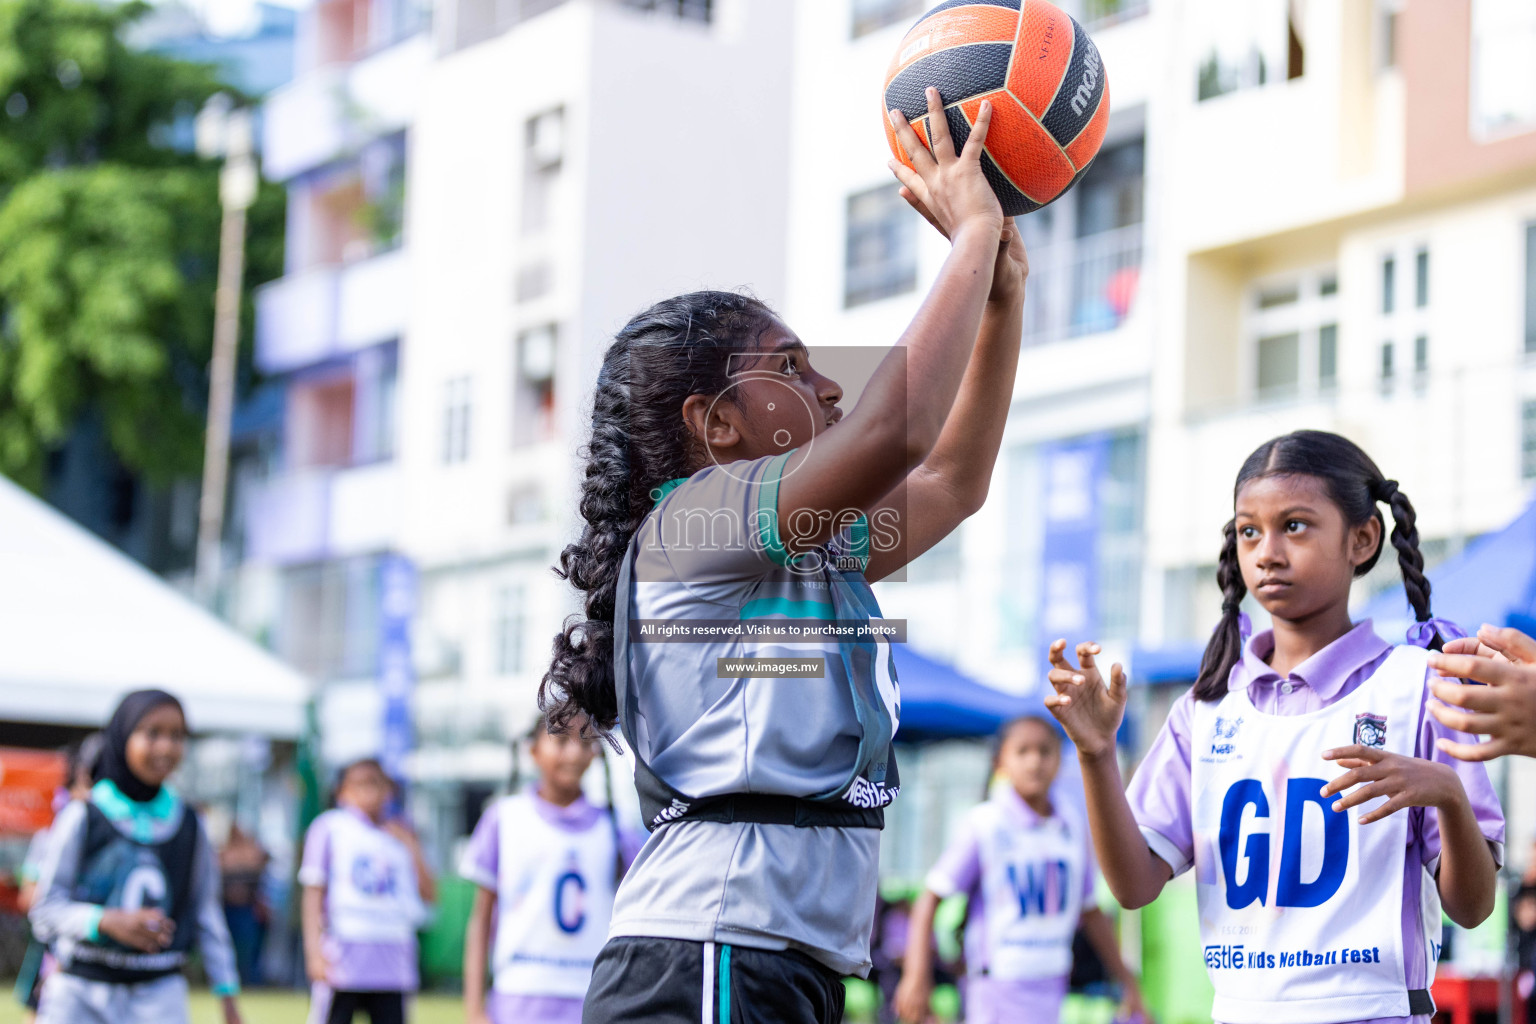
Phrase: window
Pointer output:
(1404, 324)
(1387, 15)
(882, 246)
(1530, 287)
(533, 396)
(1503, 67)
(1294, 327)
(543, 154)
(511, 625)
(1528, 441)
(1085, 250)
(377, 383)
(1296, 47)
(1244, 45)
(1279, 363)
(456, 416)
(870, 15)
(1328, 356)
(687, 10)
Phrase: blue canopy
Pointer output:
(938, 703)
(1493, 581)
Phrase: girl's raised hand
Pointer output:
(950, 187)
(1088, 710)
(1404, 781)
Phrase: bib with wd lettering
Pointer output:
(554, 896)
(1032, 884)
(1299, 904)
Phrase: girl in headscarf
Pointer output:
(130, 882)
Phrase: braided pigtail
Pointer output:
(613, 817)
(1226, 644)
(1405, 538)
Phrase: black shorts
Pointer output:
(669, 981)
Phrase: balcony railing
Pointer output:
(333, 110)
(1085, 287)
(311, 515)
(318, 314)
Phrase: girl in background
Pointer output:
(130, 883)
(1301, 776)
(366, 886)
(38, 963)
(1025, 865)
(546, 864)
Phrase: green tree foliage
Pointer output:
(108, 240)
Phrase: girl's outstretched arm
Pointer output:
(915, 992)
(1090, 712)
(477, 944)
(951, 484)
(902, 411)
(1099, 930)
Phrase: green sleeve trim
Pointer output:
(93, 924)
(767, 525)
(788, 607)
(228, 989)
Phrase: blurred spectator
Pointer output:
(37, 963)
(242, 863)
(1522, 913)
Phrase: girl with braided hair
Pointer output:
(731, 508)
(545, 863)
(1301, 776)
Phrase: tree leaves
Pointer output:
(108, 240)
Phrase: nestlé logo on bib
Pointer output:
(1371, 730)
(1225, 729)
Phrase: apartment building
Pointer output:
(480, 195)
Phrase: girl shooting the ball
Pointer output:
(756, 889)
(1301, 776)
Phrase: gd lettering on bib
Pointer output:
(1299, 904)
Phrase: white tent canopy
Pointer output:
(81, 625)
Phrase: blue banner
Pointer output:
(397, 606)
(1072, 476)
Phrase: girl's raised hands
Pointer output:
(950, 187)
(1088, 710)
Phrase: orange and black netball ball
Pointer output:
(1044, 76)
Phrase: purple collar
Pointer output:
(577, 816)
(1324, 672)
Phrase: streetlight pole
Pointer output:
(227, 131)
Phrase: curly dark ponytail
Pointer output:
(1356, 486)
(677, 348)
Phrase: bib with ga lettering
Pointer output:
(554, 895)
(1299, 904)
(371, 895)
(1032, 884)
